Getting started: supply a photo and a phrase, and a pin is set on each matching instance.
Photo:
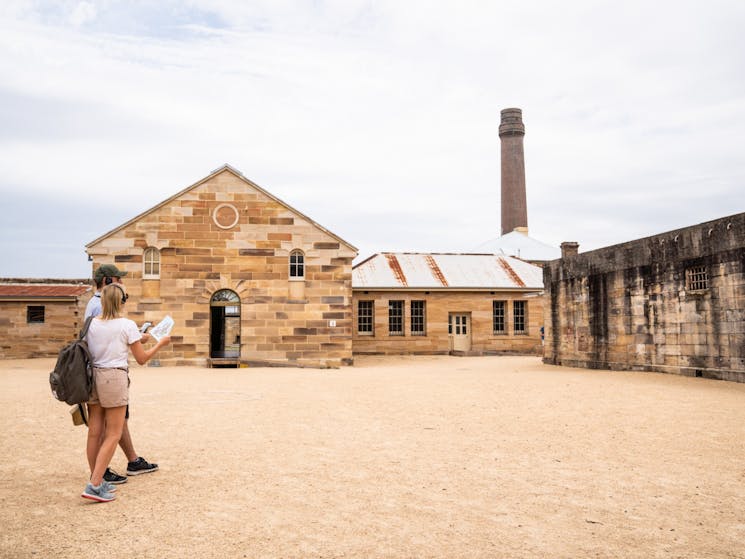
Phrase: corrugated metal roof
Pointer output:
(442, 271)
(41, 291)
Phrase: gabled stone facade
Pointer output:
(674, 302)
(216, 258)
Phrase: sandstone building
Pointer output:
(471, 304)
(39, 316)
(247, 278)
(673, 302)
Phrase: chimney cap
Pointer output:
(569, 248)
(512, 123)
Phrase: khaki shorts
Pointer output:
(110, 388)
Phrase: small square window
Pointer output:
(35, 314)
(697, 278)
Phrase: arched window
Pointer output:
(151, 263)
(226, 296)
(297, 265)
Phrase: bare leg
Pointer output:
(125, 443)
(95, 433)
(114, 421)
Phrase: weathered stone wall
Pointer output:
(23, 340)
(283, 322)
(438, 305)
(629, 306)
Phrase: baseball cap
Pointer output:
(108, 271)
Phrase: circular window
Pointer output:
(225, 216)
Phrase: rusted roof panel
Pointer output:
(35, 291)
(395, 267)
(438, 271)
(507, 268)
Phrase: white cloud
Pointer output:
(82, 13)
(382, 117)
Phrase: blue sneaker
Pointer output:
(97, 493)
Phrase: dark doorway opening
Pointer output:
(225, 326)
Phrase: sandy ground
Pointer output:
(394, 457)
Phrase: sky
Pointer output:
(377, 119)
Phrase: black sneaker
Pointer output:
(140, 466)
(112, 477)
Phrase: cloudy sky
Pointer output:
(378, 119)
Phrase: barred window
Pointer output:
(151, 263)
(365, 317)
(418, 318)
(35, 314)
(697, 278)
(396, 318)
(498, 317)
(519, 312)
(297, 264)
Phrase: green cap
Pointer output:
(108, 271)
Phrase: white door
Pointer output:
(459, 328)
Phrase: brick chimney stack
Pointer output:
(514, 202)
(569, 248)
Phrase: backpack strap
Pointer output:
(87, 325)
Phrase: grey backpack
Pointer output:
(72, 378)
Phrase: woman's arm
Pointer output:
(142, 355)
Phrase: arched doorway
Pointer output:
(225, 325)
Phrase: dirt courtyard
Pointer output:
(394, 457)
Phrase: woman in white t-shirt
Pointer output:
(110, 338)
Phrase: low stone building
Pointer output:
(472, 304)
(38, 316)
(673, 302)
(247, 278)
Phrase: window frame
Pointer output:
(697, 278)
(296, 269)
(502, 317)
(369, 318)
(419, 317)
(522, 316)
(152, 262)
(396, 320)
(33, 312)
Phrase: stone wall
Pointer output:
(477, 304)
(674, 302)
(226, 233)
(24, 340)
